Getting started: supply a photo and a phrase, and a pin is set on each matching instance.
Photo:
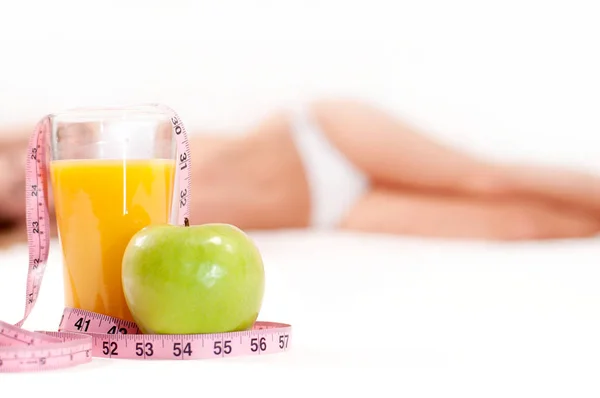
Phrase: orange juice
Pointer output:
(99, 205)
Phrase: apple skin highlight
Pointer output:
(205, 278)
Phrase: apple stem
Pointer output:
(186, 222)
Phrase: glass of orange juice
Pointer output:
(112, 173)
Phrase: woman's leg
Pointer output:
(390, 211)
(395, 154)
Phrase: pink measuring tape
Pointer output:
(83, 335)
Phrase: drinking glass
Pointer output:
(112, 172)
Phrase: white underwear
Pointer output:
(335, 183)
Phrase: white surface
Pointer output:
(389, 316)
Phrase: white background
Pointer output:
(512, 79)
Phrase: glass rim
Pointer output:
(110, 113)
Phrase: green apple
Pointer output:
(205, 278)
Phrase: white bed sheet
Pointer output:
(385, 315)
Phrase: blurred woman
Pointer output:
(344, 164)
